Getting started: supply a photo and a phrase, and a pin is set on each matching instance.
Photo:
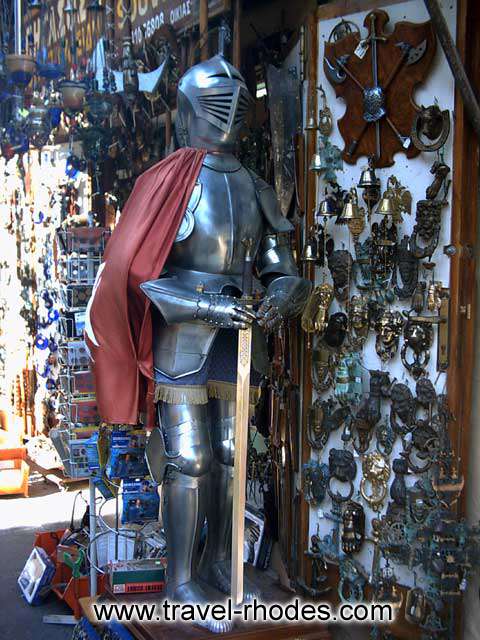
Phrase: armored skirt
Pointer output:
(216, 379)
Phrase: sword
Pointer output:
(241, 433)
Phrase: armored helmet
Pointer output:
(212, 102)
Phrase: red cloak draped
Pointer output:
(119, 311)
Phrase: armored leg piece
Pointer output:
(189, 453)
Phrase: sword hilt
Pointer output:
(247, 280)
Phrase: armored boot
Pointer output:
(215, 565)
(188, 457)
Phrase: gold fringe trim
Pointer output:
(228, 391)
(199, 394)
(187, 394)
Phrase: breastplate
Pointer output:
(222, 212)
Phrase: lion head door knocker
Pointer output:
(426, 395)
(416, 606)
(342, 467)
(433, 124)
(353, 527)
(368, 413)
(407, 267)
(402, 409)
(336, 330)
(324, 417)
(415, 353)
(388, 328)
(424, 445)
(426, 232)
(323, 367)
(376, 473)
(340, 263)
(359, 321)
(314, 317)
(315, 482)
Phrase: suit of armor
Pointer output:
(197, 303)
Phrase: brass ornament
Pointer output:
(396, 201)
(314, 316)
(388, 328)
(353, 531)
(376, 473)
(325, 119)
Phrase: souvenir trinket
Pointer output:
(398, 488)
(358, 321)
(397, 200)
(368, 413)
(323, 365)
(353, 579)
(402, 409)
(401, 62)
(353, 532)
(315, 479)
(340, 263)
(348, 379)
(418, 336)
(336, 330)
(370, 185)
(324, 417)
(418, 298)
(407, 266)
(376, 472)
(415, 606)
(440, 171)
(431, 123)
(421, 501)
(385, 438)
(325, 119)
(388, 329)
(342, 467)
(314, 317)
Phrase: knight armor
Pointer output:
(197, 310)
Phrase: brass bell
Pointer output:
(350, 209)
(310, 251)
(316, 163)
(386, 206)
(311, 124)
(368, 179)
(327, 207)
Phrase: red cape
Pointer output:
(119, 311)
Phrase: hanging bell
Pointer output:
(316, 163)
(386, 206)
(327, 207)
(350, 209)
(310, 251)
(368, 179)
(311, 124)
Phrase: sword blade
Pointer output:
(240, 463)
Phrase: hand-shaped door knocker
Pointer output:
(353, 533)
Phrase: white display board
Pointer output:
(415, 175)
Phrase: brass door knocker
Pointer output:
(433, 124)
(342, 467)
(314, 317)
(324, 417)
(418, 336)
(353, 532)
(315, 481)
(376, 472)
(388, 328)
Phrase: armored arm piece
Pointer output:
(287, 292)
(177, 302)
